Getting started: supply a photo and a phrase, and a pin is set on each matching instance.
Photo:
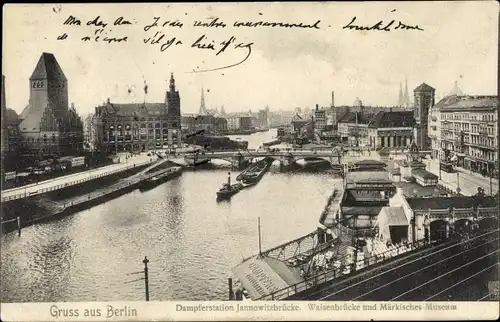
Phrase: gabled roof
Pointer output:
(47, 68)
(423, 174)
(11, 117)
(31, 122)
(139, 109)
(467, 102)
(356, 117)
(393, 119)
(412, 189)
(423, 88)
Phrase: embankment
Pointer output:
(68, 200)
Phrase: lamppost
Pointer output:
(458, 182)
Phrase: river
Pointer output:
(192, 241)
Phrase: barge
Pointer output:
(255, 172)
(160, 177)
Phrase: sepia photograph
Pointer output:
(300, 160)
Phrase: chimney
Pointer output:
(333, 99)
(317, 108)
(108, 101)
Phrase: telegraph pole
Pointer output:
(260, 248)
(146, 281)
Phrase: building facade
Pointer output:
(89, 133)
(48, 126)
(233, 122)
(10, 134)
(245, 122)
(139, 127)
(469, 129)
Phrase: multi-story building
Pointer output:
(424, 100)
(233, 122)
(469, 128)
(139, 127)
(10, 134)
(48, 126)
(392, 129)
(220, 124)
(434, 128)
(320, 118)
(245, 122)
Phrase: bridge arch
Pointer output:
(438, 229)
(488, 223)
(463, 226)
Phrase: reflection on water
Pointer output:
(192, 241)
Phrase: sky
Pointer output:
(287, 67)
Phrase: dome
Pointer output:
(358, 102)
(456, 90)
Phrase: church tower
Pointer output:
(49, 126)
(173, 103)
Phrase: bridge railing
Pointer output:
(26, 194)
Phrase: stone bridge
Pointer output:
(286, 158)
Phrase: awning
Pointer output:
(265, 275)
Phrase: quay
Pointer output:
(73, 179)
(57, 209)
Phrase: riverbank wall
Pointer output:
(56, 204)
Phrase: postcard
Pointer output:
(250, 161)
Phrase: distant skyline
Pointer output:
(287, 68)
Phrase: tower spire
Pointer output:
(400, 97)
(406, 97)
(172, 82)
(203, 109)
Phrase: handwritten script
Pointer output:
(160, 33)
(164, 34)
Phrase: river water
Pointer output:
(192, 241)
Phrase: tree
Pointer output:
(357, 133)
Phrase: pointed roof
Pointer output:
(400, 96)
(203, 109)
(48, 68)
(423, 88)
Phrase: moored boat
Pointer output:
(196, 158)
(256, 171)
(161, 177)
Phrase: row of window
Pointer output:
(141, 125)
(490, 117)
(471, 151)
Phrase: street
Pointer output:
(467, 181)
